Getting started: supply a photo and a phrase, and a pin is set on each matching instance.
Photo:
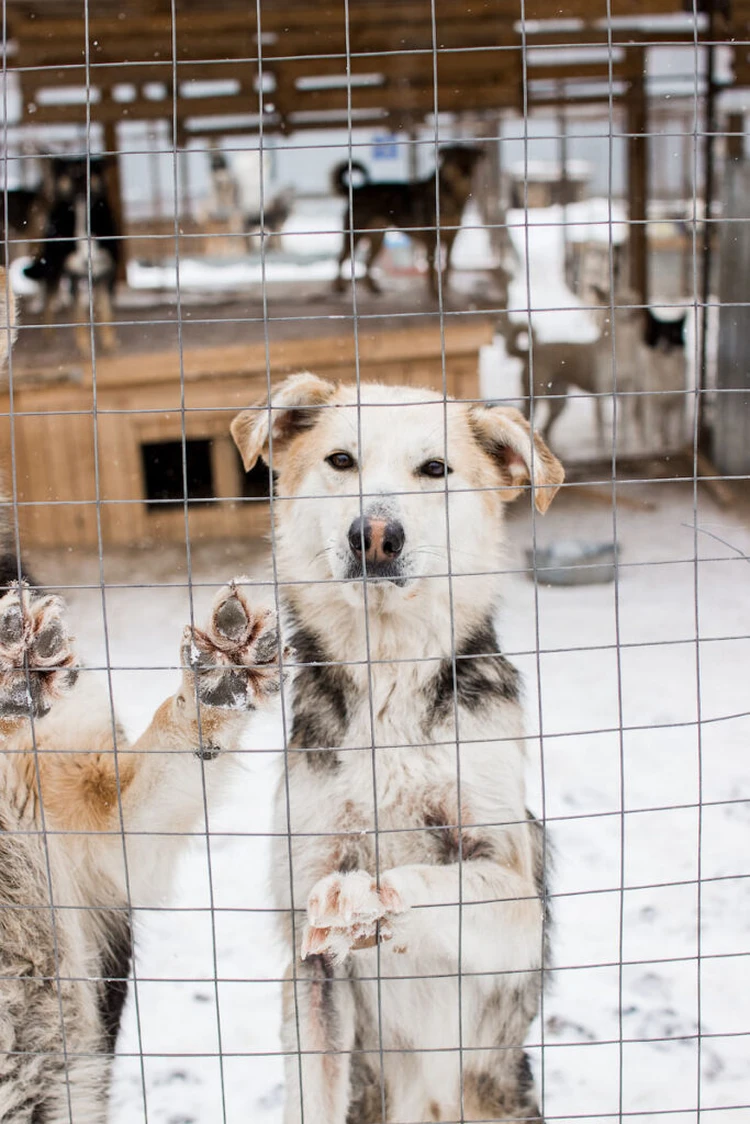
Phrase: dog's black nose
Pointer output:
(381, 540)
(393, 539)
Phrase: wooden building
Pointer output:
(297, 64)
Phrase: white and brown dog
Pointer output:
(417, 876)
(90, 826)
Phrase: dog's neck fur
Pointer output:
(425, 623)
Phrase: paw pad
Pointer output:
(36, 654)
(235, 659)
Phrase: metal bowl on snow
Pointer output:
(573, 562)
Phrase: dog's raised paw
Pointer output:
(36, 653)
(348, 911)
(235, 660)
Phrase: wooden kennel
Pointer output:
(138, 405)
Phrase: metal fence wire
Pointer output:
(549, 212)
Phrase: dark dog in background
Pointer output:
(409, 207)
(666, 379)
(664, 335)
(80, 246)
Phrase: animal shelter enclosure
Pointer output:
(220, 227)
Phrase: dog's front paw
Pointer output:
(235, 660)
(346, 912)
(36, 653)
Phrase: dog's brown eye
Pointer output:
(340, 461)
(435, 469)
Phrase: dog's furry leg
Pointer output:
(231, 667)
(348, 249)
(556, 404)
(433, 258)
(104, 317)
(81, 313)
(348, 911)
(51, 1063)
(318, 1033)
(498, 1084)
(599, 411)
(377, 237)
(449, 237)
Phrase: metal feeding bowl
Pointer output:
(573, 562)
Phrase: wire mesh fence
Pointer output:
(467, 840)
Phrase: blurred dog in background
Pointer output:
(667, 378)
(408, 207)
(80, 247)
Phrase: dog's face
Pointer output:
(464, 156)
(73, 178)
(457, 168)
(396, 488)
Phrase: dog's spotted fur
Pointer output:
(384, 840)
(478, 672)
(320, 702)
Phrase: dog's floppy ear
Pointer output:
(293, 407)
(505, 435)
(7, 317)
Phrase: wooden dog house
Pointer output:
(137, 408)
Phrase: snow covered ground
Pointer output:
(625, 770)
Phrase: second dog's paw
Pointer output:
(36, 653)
(235, 659)
(346, 912)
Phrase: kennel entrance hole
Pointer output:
(164, 476)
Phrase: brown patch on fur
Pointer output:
(504, 434)
(9, 726)
(352, 850)
(81, 793)
(441, 821)
(294, 407)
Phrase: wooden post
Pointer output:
(487, 179)
(114, 192)
(687, 191)
(184, 202)
(730, 442)
(708, 235)
(413, 151)
(637, 128)
(736, 136)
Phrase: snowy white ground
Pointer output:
(657, 770)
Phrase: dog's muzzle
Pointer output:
(375, 548)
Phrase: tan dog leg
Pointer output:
(105, 319)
